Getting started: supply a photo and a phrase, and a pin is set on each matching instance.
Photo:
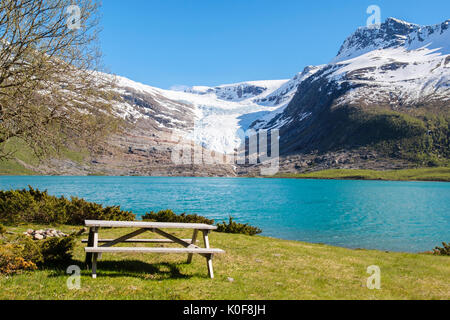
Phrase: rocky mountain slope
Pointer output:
(382, 102)
(385, 95)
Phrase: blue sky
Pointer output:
(210, 42)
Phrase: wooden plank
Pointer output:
(176, 240)
(153, 250)
(148, 225)
(94, 261)
(125, 237)
(173, 238)
(95, 241)
(136, 241)
(94, 266)
(209, 257)
(90, 241)
(194, 240)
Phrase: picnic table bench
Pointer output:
(94, 250)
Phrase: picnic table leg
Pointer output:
(94, 261)
(209, 257)
(194, 240)
(90, 243)
(94, 266)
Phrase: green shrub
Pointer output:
(79, 210)
(170, 216)
(230, 227)
(55, 250)
(2, 229)
(11, 261)
(31, 250)
(19, 253)
(26, 247)
(445, 251)
(233, 227)
(34, 206)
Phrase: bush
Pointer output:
(34, 206)
(2, 229)
(20, 254)
(31, 250)
(79, 210)
(11, 262)
(170, 216)
(230, 227)
(445, 251)
(55, 250)
(233, 227)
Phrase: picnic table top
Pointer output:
(143, 224)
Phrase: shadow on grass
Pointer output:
(123, 268)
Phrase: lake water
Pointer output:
(394, 216)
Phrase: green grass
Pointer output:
(12, 167)
(262, 268)
(75, 156)
(421, 174)
(23, 153)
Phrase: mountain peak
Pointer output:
(392, 20)
(391, 33)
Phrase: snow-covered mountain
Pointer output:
(238, 91)
(210, 116)
(399, 66)
(394, 33)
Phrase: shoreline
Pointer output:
(429, 252)
(438, 174)
(353, 179)
(426, 174)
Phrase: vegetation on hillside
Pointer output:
(421, 174)
(23, 160)
(421, 138)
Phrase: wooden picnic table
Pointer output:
(94, 250)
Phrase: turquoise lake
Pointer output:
(393, 216)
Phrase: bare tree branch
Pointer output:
(50, 89)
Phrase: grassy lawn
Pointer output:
(421, 174)
(262, 268)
